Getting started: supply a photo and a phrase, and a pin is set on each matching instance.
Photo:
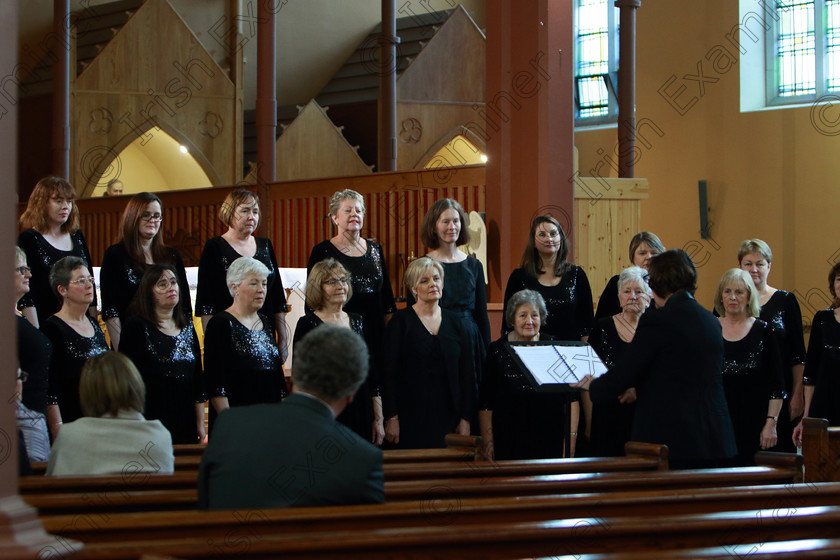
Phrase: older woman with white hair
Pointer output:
(428, 387)
(242, 362)
(518, 422)
(610, 424)
(752, 366)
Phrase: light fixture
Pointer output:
(483, 158)
(183, 149)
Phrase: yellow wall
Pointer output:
(770, 174)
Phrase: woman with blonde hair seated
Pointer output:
(752, 366)
(113, 436)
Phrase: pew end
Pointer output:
(655, 450)
(820, 450)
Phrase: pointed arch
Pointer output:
(454, 156)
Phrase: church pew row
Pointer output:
(821, 450)
(641, 457)
(804, 549)
(501, 540)
(108, 500)
(156, 526)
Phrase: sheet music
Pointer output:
(560, 364)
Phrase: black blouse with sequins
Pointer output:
(241, 364)
(70, 352)
(40, 257)
(213, 295)
(120, 277)
(822, 370)
(171, 370)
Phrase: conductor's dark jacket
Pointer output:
(674, 362)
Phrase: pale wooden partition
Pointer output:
(296, 217)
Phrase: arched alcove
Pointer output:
(459, 146)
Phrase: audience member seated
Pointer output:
(428, 383)
(612, 421)
(114, 188)
(674, 362)
(113, 437)
(328, 289)
(294, 453)
(822, 370)
(517, 422)
(752, 366)
(644, 246)
(32, 425)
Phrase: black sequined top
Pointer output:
(171, 370)
(34, 353)
(40, 256)
(243, 365)
(213, 295)
(606, 342)
(70, 352)
(822, 370)
(120, 277)
(569, 303)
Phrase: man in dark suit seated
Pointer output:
(294, 453)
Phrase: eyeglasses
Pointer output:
(22, 375)
(83, 281)
(149, 217)
(164, 284)
(245, 211)
(23, 270)
(333, 282)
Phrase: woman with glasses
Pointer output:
(328, 288)
(162, 343)
(141, 245)
(241, 358)
(240, 212)
(75, 337)
(370, 295)
(50, 232)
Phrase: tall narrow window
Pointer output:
(596, 61)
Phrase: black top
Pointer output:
(34, 353)
(569, 303)
(70, 352)
(241, 364)
(40, 256)
(120, 277)
(675, 362)
(358, 415)
(527, 424)
(822, 370)
(782, 312)
(428, 378)
(752, 375)
(171, 370)
(612, 421)
(213, 296)
(608, 304)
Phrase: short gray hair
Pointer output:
(523, 297)
(330, 362)
(633, 274)
(241, 268)
(20, 255)
(416, 269)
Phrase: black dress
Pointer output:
(569, 303)
(782, 313)
(823, 367)
(526, 424)
(171, 369)
(608, 304)
(358, 415)
(752, 375)
(70, 352)
(213, 296)
(465, 294)
(120, 277)
(34, 354)
(427, 378)
(241, 364)
(373, 297)
(40, 257)
(612, 421)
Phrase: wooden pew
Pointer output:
(503, 539)
(109, 498)
(171, 525)
(821, 450)
(804, 549)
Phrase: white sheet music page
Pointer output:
(560, 364)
